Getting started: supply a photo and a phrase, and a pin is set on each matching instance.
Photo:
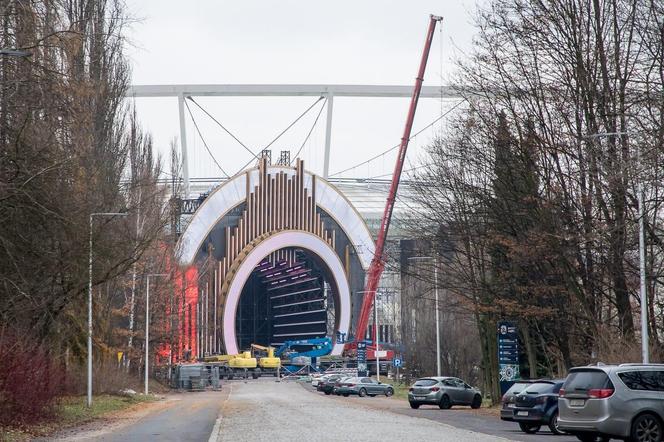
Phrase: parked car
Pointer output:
(621, 401)
(444, 392)
(326, 385)
(509, 400)
(316, 379)
(537, 405)
(337, 384)
(363, 387)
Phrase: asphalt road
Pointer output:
(481, 421)
(187, 417)
(266, 410)
(285, 412)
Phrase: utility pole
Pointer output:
(435, 283)
(92, 215)
(376, 335)
(645, 338)
(436, 306)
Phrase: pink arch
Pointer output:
(273, 243)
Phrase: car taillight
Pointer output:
(435, 388)
(561, 393)
(351, 385)
(600, 393)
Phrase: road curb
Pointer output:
(216, 430)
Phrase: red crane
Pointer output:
(378, 263)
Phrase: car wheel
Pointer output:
(445, 403)
(414, 405)
(389, 392)
(327, 393)
(362, 392)
(477, 402)
(230, 376)
(646, 428)
(553, 424)
(345, 394)
(529, 428)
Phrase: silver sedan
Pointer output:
(444, 392)
(363, 387)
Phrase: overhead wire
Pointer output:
(440, 117)
(203, 139)
(405, 171)
(310, 132)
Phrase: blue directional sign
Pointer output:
(508, 352)
(362, 358)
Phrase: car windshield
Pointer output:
(425, 382)
(539, 388)
(583, 380)
(517, 388)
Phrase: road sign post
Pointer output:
(396, 363)
(362, 358)
(508, 354)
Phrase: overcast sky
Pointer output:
(287, 41)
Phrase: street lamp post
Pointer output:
(7, 52)
(147, 326)
(376, 335)
(435, 283)
(92, 215)
(645, 338)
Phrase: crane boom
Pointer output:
(378, 262)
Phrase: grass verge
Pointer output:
(400, 389)
(72, 411)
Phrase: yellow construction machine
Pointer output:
(267, 361)
(240, 365)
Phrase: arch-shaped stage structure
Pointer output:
(279, 254)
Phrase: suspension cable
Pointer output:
(222, 126)
(293, 123)
(203, 139)
(285, 130)
(309, 134)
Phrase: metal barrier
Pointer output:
(196, 377)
